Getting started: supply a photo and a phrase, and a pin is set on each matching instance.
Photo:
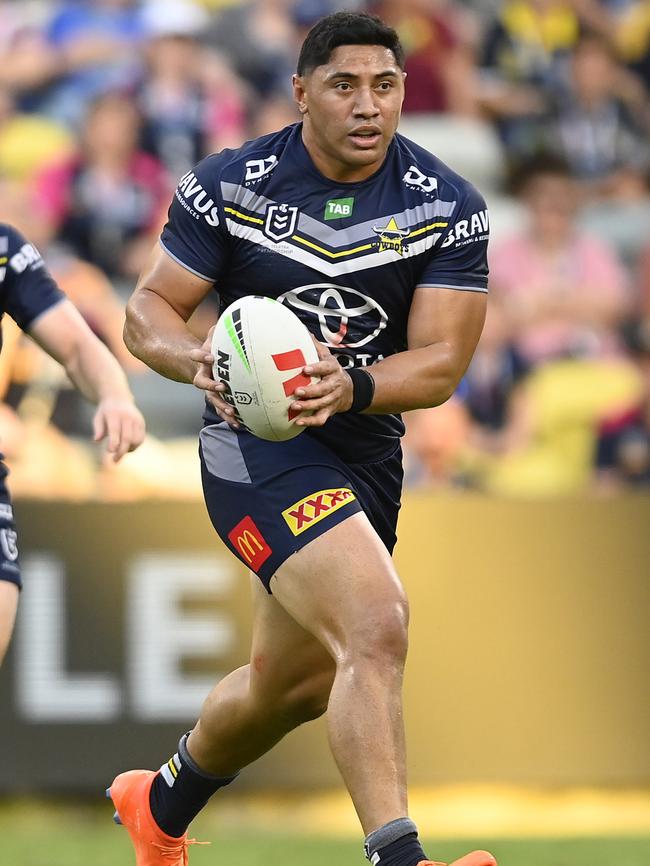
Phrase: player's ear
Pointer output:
(299, 93)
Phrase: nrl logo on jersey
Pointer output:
(391, 237)
(414, 179)
(256, 169)
(280, 221)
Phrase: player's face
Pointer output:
(351, 107)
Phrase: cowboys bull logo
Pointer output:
(346, 318)
(391, 237)
(280, 221)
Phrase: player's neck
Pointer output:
(332, 168)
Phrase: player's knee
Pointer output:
(308, 699)
(382, 637)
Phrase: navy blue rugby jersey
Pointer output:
(26, 288)
(345, 257)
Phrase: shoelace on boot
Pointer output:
(170, 851)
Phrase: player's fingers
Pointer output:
(317, 389)
(223, 410)
(99, 426)
(201, 356)
(315, 420)
(323, 368)
(113, 423)
(125, 433)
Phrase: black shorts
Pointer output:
(9, 565)
(267, 500)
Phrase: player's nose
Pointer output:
(366, 105)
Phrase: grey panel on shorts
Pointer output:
(222, 454)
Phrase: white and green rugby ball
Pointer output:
(259, 348)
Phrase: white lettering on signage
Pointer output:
(160, 637)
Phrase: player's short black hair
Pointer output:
(346, 28)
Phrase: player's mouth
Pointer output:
(365, 137)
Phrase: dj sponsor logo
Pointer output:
(414, 179)
(256, 169)
(249, 543)
(280, 221)
(27, 255)
(469, 231)
(337, 315)
(195, 200)
(315, 507)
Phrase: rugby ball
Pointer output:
(259, 348)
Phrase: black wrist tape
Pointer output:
(363, 389)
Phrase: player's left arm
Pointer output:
(444, 327)
(62, 333)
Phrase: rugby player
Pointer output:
(381, 251)
(31, 297)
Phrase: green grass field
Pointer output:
(43, 835)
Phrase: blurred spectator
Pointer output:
(433, 444)
(28, 141)
(490, 382)
(273, 114)
(107, 202)
(623, 447)
(439, 54)
(523, 63)
(93, 43)
(259, 39)
(621, 214)
(603, 119)
(633, 38)
(563, 292)
(190, 100)
(643, 282)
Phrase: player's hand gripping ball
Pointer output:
(259, 348)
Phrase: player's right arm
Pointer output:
(156, 328)
(180, 273)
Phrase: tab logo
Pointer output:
(338, 208)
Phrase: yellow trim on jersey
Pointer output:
(327, 252)
(244, 216)
(4, 260)
(172, 767)
(427, 228)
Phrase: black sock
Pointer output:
(180, 791)
(395, 844)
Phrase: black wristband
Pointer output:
(363, 389)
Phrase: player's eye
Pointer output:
(385, 85)
(343, 85)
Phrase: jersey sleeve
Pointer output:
(459, 260)
(29, 289)
(194, 234)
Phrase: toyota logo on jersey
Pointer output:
(346, 318)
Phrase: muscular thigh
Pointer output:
(284, 655)
(342, 584)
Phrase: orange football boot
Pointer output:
(476, 858)
(153, 847)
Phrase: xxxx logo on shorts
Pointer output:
(308, 511)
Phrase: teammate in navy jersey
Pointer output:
(381, 251)
(31, 297)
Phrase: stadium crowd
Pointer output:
(543, 104)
